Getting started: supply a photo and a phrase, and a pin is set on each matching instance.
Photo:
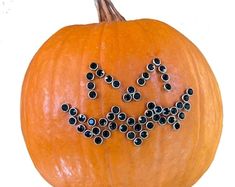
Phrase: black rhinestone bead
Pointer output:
(189, 91)
(148, 113)
(179, 105)
(137, 141)
(181, 115)
(162, 69)
(131, 89)
(171, 119)
(95, 130)
(92, 94)
(156, 117)
(137, 127)
(100, 73)
(103, 122)
(90, 86)
(185, 97)
(167, 87)
(98, 140)
(106, 134)
(90, 76)
(116, 84)
(72, 120)
(151, 105)
(131, 135)
(176, 126)
(110, 116)
(142, 119)
(174, 110)
(81, 128)
(187, 106)
(91, 121)
(145, 75)
(150, 125)
(156, 61)
(150, 67)
(144, 134)
(115, 110)
(137, 96)
(123, 128)
(126, 97)
(108, 79)
(162, 121)
(165, 77)
(141, 81)
(130, 121)
(82, 118)
(122, 116)
(65, 107)
(166, 111)
(112, 126)
(88, 133)
(93, 66)
(73, 111)
(158, 109)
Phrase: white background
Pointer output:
(26, 24)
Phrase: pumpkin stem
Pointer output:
(107, 12)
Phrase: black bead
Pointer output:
(174, 110)
(88, 134)
(115, 110)
(145, 75)
(100, 73)
(81, 128)
(156, 61)
(176, 126)
(131, 89)
(110, 116)
(179, 105)
(137, 127)
(96, 130)
(148, 113)
(108, 79)
(162, 69)
(112, 126)
(162, 120)
(90, 76)
(82, 118)
(122, 116)
(98, 140)
(189, 91)
(150, 67)
(91, 121)
(142, 119)
(187, 106)
(158, 109)
(131, 135)
(103, 122)
(137, 141)
(65, 107)
(137, 96)
(92, 94)
(165, 77)
(166, 111)
(181, 115)
(73, 111)
(93, 66)
(151, 105)
(126, 97)
(141, 81)
(72, 120)
(116, 84)
(185, 97)
(130, 121)
(90, 86)
(123, 128)
(106, 134)
(171, 119)
(144, 134)
(156, 117)
(167, 87)
(150, 125)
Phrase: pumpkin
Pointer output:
(63, 73)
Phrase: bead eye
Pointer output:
(138, 141)
(106, 134)
(189, 91)
(179, 105)
(162, 69)
(162, 121)
(103, 122)
(116, 84)
(93, 66)
(95, 130)
(90, 76)
(81, 128)
(165, 77)
(141, 81)
(92, 94)
(187, 106)
(72, 121)
(151, 105)
(144, 134)
(137, 127)
(88, 133)
(171, 119)
(110, 116)
(148, 113)
(126, 97)
(150, 125)
(123, 128)
(108, 79)
(185, 97)
(82, 118)
(115, 109)
(91, 121)
(90, 86)
(174, 110)
(130, 121)
(137, 96)
(166, 111)
(73, 111)
(145, 76)
(181, 115)
(142, 119)
(122, 116)
(156, 61)
(176, 126)
(112, 126)
(65, 107)
(150, 68)
(167, 87)
(131, 135)
(156, 117)
(100, 73)
(98, 140)
(131, 90)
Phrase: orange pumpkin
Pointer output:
(57, 74)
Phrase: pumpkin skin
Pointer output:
(57, 75)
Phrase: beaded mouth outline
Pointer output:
(138, 129)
